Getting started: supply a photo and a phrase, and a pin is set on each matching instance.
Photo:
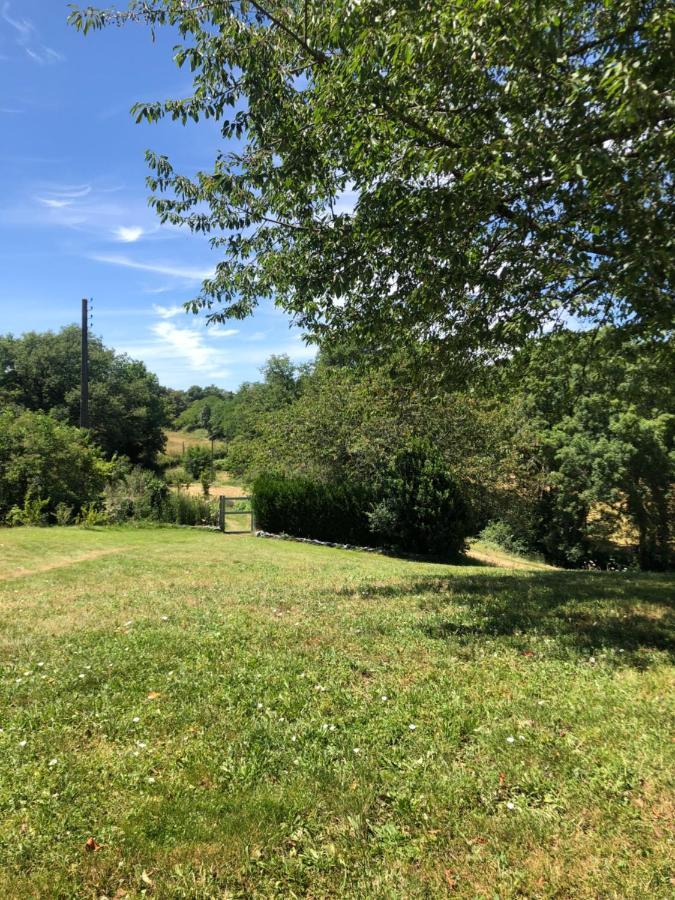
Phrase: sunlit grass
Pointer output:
(177, 442)
(232, 716)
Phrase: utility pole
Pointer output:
(84, 371)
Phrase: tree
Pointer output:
(592, 446)
(126, 407)
(42, 459)
(205, 416)
(457, 174)
(569, 443)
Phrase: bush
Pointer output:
(502, 535)
(184, 509)
(92, 517)
(305, 508)
(195, 460)
(142, 496)
(417, 507)
(137, 495)
(42, 458)
(207, 478)
(178, 476)
(420, 507)
(64, 514)
(31, 513)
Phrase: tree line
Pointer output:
(564, 448)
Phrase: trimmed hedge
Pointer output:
(417, 507)
(310, 509)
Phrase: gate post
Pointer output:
(221, 513)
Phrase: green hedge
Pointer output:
(310, 509)
(415, 507)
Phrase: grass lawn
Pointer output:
(239, 717)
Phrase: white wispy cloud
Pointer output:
(72, 191)
(24, 27)
(223, 332)
(62, 197)
(45, 55)
(128, 234)
(162, 289)
(26, 36)
(168, 312)
(54, 203)
(188, 344)
(187, 273)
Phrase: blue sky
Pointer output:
(74, 219)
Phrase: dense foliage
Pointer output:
(196, 460)
(126, 408)
(450, 173)
(226, 415)
(141, 496)
(48, 464)
(312, 509)
(177, 401)
(592, 456)
(569, 445)
(420, 507)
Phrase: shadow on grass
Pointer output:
(584, 611)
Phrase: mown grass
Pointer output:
(239, 717)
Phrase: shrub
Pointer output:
(178, 476)
(40, 457)
(206, 479)
(420, 506)
(417, 507)
(502, 535)
(184, 509)
(142, 496)
(195, 460)
(164, 461)
(91, 516)
(64, 514)
(31, 513)
(137, 495)
(305, 508)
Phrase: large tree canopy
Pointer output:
(41, 371)
(454, 171)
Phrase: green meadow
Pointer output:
(191, 715)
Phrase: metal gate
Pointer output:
(232, 514)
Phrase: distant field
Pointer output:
(178, 441)
(238, 717)
(225, 486)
